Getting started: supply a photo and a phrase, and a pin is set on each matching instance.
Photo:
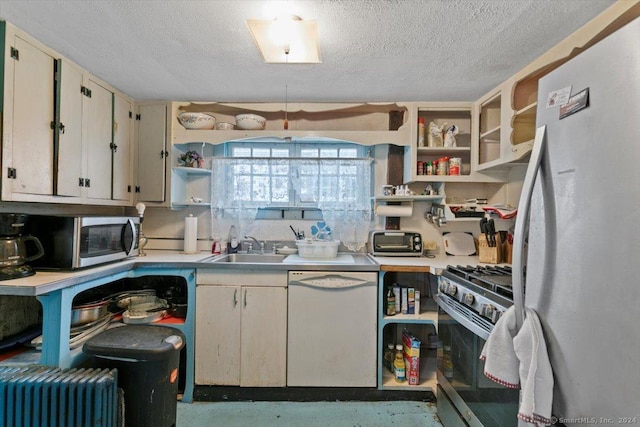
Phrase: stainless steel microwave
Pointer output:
(72, 242)
(395, 243)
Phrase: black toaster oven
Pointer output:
(395, 243)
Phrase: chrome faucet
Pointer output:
(261, 244)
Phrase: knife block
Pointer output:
(488, 254)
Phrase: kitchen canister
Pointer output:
(190, 234)
(454, 165)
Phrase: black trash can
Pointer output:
(147, 359)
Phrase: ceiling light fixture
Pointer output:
(286, 40)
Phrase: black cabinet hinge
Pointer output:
(80, 182)
(138, 117)
(128, 189)
(85, 91)
(113, 147)
(130, 115)
(11, 173)
(87, 182)
(15, 53)
(137, 188)
(164, 154)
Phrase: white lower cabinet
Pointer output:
(241, 330)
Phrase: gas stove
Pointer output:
(476, 295)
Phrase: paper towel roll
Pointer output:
(394, 210)
(191, 234)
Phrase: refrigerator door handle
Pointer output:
(521, 222)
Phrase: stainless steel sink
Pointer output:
(249, 259)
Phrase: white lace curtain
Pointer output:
(341, 188)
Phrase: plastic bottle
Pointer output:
(396, 293)
(391, 303)
(215, 248)
(234, 243)
(398, 365)
(388, 357)
(421, 132)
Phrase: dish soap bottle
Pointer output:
(233, 242)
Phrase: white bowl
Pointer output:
(224, 126)
(197, 120)
(250, 122)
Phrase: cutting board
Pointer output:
(340, 259)
(458, 243)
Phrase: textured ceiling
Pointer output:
(371, 50)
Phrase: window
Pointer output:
(294, 174)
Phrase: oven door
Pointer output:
(465, 396)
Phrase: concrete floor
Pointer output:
(309, 414)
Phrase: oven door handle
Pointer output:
(522, 222)
(476, 329)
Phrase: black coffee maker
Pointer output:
(14, 247)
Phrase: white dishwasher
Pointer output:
(332, 329)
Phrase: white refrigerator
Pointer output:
(582, 257)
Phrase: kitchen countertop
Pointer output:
(44, 282)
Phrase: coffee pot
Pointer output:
(14, 253)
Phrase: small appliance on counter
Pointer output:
(13, 247)
(71, 242)
(395, 243)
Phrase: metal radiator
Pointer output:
(38, 396)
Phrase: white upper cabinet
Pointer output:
(98, 141)
(123, 148)
(59, 140)
(70, 150)
(151, 131)
(27, 139)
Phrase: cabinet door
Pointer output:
(70, 154)
(97, 140)
(217, 342)
(263, 337)
(152, 152)
(33, 112)
(122, 153)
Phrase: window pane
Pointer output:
(280, 152)
(280, 167)
(328, 168)
(309, 169)
(261, 189)
(348, 188)
(328, 188)
(280, 189)
(240, 152)
(309, 189)
(329, 152)
(261, 168)
(309, 152)
(241, 168)
(261, 152)
(348, 170)
(242, 187)
(348, 152)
